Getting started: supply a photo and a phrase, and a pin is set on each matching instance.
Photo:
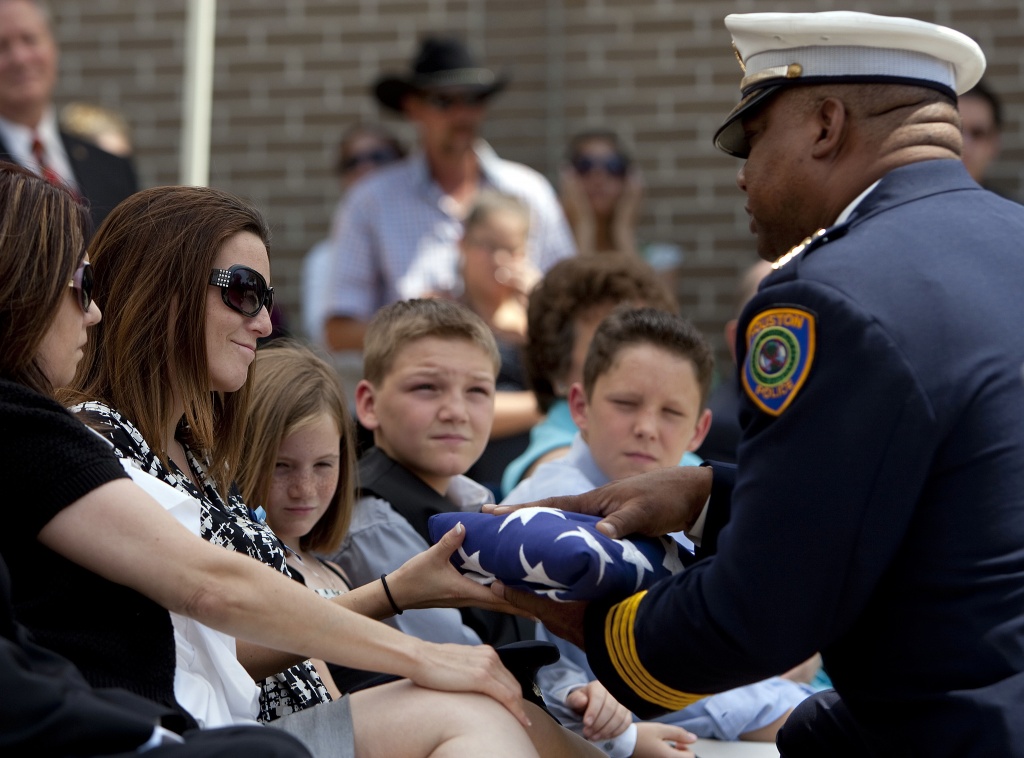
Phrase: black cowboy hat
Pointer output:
(441, 63)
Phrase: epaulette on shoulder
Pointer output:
(816, 240)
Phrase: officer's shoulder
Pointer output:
(788, 266)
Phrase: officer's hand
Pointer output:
(564, 619)
(655, 503)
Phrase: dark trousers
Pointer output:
(822, 727)
(231, 742)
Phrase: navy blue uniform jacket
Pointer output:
(878, 518)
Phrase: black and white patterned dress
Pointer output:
(225, 522)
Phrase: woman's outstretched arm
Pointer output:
(119, 532)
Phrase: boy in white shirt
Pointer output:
(641, 405)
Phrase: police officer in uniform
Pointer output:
(877, 506)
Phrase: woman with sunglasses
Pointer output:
(64, 481)
(95, 561)
(169, 386)
(601, 193)
(364, 148)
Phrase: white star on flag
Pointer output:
(671, 561)
(537, 574)
(585, 567)
(471, 565)
(553, 594)
(630, 554)
(593, 543)
(525, 514)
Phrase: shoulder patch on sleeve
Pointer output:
(780, 351)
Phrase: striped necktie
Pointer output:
(39, 153)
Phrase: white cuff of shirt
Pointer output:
(160, 736)
(621, 746)
(696, 531)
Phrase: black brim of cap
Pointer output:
(390, 91)
(730, 137)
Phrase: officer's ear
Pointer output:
(832, 119)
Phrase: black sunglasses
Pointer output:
(380, 156)
(442, 101)
(81, 282)
(613, 165)
(243, 289)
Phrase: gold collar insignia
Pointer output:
(795, 251)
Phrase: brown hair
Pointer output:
(399, 324)
(569, 289)
(489, 202)
(42, 240)
(294, 387)
(603, 135)
(627, 327)
(152, 258)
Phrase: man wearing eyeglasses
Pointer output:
(398, 231)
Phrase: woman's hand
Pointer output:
(468, 668)
(429, 580)
(603, 716)
(517, 275)
(578, 211)
(517, 272)
(627, 213)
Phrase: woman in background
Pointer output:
(601, 192)
(364, 148)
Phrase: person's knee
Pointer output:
(429, 719)
(821, 725)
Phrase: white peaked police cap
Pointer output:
(778, 50)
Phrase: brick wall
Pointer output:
(291, 75)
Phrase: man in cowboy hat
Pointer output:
(878, 498)
(397, 234)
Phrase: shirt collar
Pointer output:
(22, 135)
(580, 457)
(848, 211)
(489, 163)
(468, 495)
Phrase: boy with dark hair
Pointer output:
(640, 406)
(564, 310)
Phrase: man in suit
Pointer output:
(29, 132)
(878, 492)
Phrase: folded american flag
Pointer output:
(557, 554)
